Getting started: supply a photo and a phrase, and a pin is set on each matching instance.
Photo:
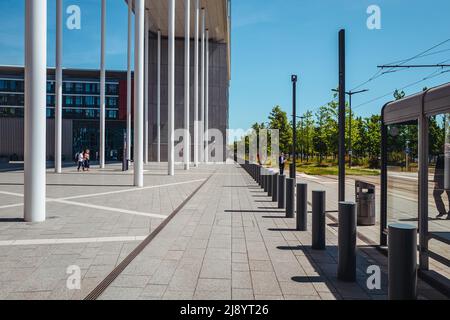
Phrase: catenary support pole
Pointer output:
(342, 99)
(171, 88)
(187, 42)
(58, 87)
(102, 151)
(35, 114)
(139, 9)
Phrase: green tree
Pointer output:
(373, 138)
(278, 120)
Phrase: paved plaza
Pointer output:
(225, 240)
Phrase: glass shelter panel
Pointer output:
(439, 183)
(402, 173)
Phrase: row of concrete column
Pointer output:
(35, 95)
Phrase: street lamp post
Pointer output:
(292, 171)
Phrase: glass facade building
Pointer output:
(81, 111)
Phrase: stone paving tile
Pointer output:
(33, 270)
(242, 294)
(236, 244)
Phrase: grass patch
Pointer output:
(333, 170)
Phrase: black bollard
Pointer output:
(347, 242)
(318, 220)
(269, 188)
(281, 192)
(264, 180)
(275, 187)
(290, 198)
(402, 262)
(302, 207)
(258, 173)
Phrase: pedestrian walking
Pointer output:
(282, 162)
(80, 160)
(87, 158)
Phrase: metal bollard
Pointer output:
(302, 207)
(275, 187)
(281, 192)
(290, 198)
(347, 242)
(269, 187)
(261, 176)
(402, 262)
(266, 180)
(258, 175)
(318, 220)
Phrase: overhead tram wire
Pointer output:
(380, 72)
(431, 76)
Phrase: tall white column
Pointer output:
(102, 86)
(130, 35)
(158, 97)
(171, 88)
(202, 91)
(146, 51)
(207, 98)
(35, 109)
(139, 9)
(196, 87)
(58, 87)
(187, 65)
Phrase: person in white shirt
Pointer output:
(80, 161)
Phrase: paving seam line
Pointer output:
(101, 288)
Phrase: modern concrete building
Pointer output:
(163, 69)
(81, 113)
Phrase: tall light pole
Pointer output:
(350, 151)
(292, 171)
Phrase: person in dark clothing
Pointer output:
(282, 162)
(439, 187)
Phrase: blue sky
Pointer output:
(271, 39)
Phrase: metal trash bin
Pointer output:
(365, 200)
